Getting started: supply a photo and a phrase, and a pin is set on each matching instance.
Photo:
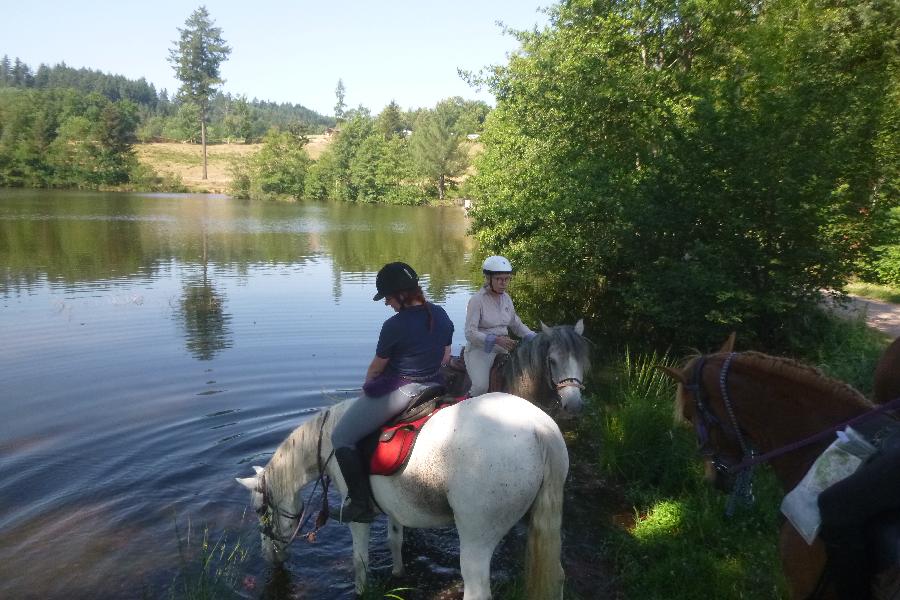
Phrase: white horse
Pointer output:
(481, 464)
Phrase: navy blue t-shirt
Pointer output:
(412, 348)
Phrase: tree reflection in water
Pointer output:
(202, 311)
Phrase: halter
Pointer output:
(706, 418)
(558, 384)
(268, 505)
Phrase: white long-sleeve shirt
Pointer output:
(488, 316)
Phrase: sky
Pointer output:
(285, 51)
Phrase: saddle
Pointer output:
(388, 448)
(457, 379)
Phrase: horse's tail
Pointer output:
(544, 575)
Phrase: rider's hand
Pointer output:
(507, 343)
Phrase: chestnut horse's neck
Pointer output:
(778, 401)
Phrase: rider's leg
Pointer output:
(478, 365)
(845, 508)
(362, 418)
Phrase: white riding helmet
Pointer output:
(496, 264)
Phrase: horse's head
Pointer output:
(567, 359)
(699, 402)
(276, 524)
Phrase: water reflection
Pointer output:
(88, 238)
(205, 322)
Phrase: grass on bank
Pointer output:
(885, 293)
(679, 543)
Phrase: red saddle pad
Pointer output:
(396, 443)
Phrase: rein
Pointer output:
(745, 464)
(304, 516)
(744, 470)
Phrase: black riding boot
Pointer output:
(358, 507)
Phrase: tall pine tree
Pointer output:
(196, 58)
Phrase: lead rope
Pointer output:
(325, 480)
(743, 486)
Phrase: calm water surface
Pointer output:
(153, 347)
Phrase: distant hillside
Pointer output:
(161, 116)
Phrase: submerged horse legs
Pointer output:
(360, 534)
(395, 543)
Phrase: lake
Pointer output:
(155, 346)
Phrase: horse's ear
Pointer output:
(728, 346)
(251, 483)
(674, 374)
(545, 329)
(579, 327)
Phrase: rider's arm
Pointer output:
(474, 336)
(376, 368)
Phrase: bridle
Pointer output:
(706, 419)
(269, 509)
(558, 384)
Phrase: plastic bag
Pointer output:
(837, 462)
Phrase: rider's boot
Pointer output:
(358, 506)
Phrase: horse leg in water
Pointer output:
(395, 543)
(359, 532)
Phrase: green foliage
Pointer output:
(365, 165)
(196, 57)
(680, 544)
(879, 292)
(158, 117)
(279, 169)
(695, 168)
(881, 264)
(340, 92)
(437, 149)
(390, 121)
(847, 350)
(63, 138)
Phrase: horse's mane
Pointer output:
(296, 454)
(799, 373)
(528, 358)
(803, 374)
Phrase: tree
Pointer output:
(196, 58)
(437, 149)
(694, 168)
(390, 121)
(339, 106)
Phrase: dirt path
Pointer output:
(879, 315)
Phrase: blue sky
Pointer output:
(286, 51)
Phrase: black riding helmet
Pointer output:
(395, 277)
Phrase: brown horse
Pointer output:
(887, 374)
(769, 404)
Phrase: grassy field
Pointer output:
(185, 161)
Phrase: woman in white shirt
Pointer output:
(490, 316)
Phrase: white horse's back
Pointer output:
(495, 435)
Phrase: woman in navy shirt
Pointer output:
(413, 345)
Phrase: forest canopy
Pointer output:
(701, 166)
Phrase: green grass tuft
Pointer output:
(209, 569)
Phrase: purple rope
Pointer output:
(746, 464)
